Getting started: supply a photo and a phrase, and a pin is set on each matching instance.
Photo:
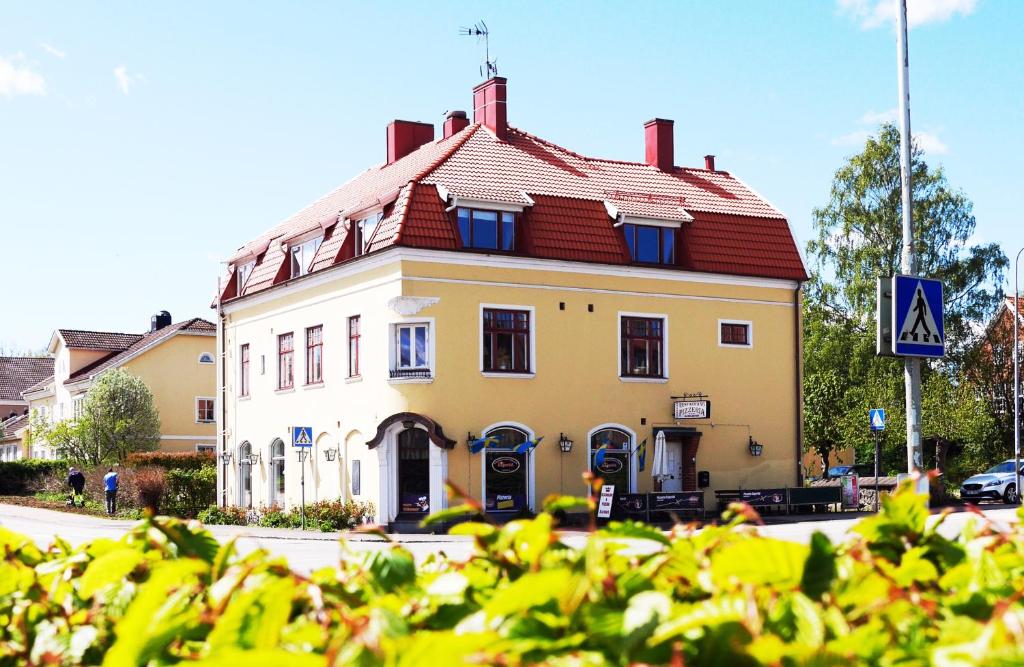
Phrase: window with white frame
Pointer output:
(364, 229)
(735, 333)
(642, 347)
(78, 404)
(205, 411)
(202, 448)
(301, 255)
(507, 340)
(242, 273)
(412, 352)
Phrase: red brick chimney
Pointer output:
(455, 122)
(709, 162)
(489, 106)
(658, 144)
(405, 136)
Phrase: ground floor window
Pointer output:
(413, 472)
(245, 475)
(611, 457)
(277, 472)
(506, 472)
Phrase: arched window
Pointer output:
(206, 358)
(616, 466)
(277, 472)
(245, 474)
(506, 472)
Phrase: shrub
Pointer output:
(332, 515)
(171, 460)
(275, 516)
(22, 477)
(215, 515)
(895, 593)
(151, 486)
(190, 491)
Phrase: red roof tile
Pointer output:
(19, 373)
(98, 340)
(726, 227)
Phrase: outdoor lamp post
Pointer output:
(754, 446)
(1016, 376)
(225, 457)
(564, 443)
(330, 453)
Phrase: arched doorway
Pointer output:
(617, 466)
(277, 482)
(245, 474)
(413, 472)
(507, 474)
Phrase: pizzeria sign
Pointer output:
(692, 409)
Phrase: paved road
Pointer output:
(308, 551)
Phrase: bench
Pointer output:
(806, 496)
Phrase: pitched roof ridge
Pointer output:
(113, 333)
(469, 130)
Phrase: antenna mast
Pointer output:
(479, 30)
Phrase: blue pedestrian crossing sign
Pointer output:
(302, 436)
(876, 418)
(917, 326)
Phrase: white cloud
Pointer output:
(125, 81)
(17, 77)
(878, 117)
(52, 50)
(852, 139)
(874, 13)
(930, 143)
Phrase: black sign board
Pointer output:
(763, 496)
(677, 502)
(631, 506)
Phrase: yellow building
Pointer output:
(176, 361)
(490, 289)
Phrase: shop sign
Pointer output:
(604, 503)
(610, 466)
(692, 409)
(686, 500)
(415, 503)
(505, 464)
(850, 486)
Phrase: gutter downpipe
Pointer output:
(799, 367)
(222, 470)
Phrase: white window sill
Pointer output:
(736, 346)
(313, 385)
(206, 422)
(411, 380)
(289, 390)
(643, 380)
(245, 398)
(512, 376)
(354, 378)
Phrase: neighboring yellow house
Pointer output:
(492, 284)
(176, 361)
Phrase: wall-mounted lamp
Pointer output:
(564, 443)
(755, 447)
(225, 457)
(255, 458)
(330, 453)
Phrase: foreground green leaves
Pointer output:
(896, 593)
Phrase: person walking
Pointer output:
(77, 482)
(110, 486)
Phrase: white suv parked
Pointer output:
(996, 483)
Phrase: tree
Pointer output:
(118, 417)
(860, 237)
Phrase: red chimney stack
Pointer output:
(658, 144)
(489, 106)
(455, 122)
(709, 162)
(405, 136)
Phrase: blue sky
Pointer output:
(141, 143)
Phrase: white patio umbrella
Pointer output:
(659, 467)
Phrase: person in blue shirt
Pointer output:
(110, 485)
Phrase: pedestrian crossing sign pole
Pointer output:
(302, 441)
(917, 324)
(876, 422)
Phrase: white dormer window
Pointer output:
(364, 229)
(244, 271)
(302, 255)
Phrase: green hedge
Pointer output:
(189, 492)
(896, 593)
(171, 460)
(323, 515)
(18, 477)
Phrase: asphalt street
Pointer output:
(307, 551)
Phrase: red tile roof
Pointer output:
(19, 373)
(726, 227)
(98, 340)
(195, 325)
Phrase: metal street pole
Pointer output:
(302, 507)
(1016, 376)
(878, 463)
(911, 365)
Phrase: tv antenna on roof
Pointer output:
(480, 31)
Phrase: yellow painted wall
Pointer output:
(174, 375)
(575, 389)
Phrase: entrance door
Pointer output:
(674, 456)
(413, 472)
